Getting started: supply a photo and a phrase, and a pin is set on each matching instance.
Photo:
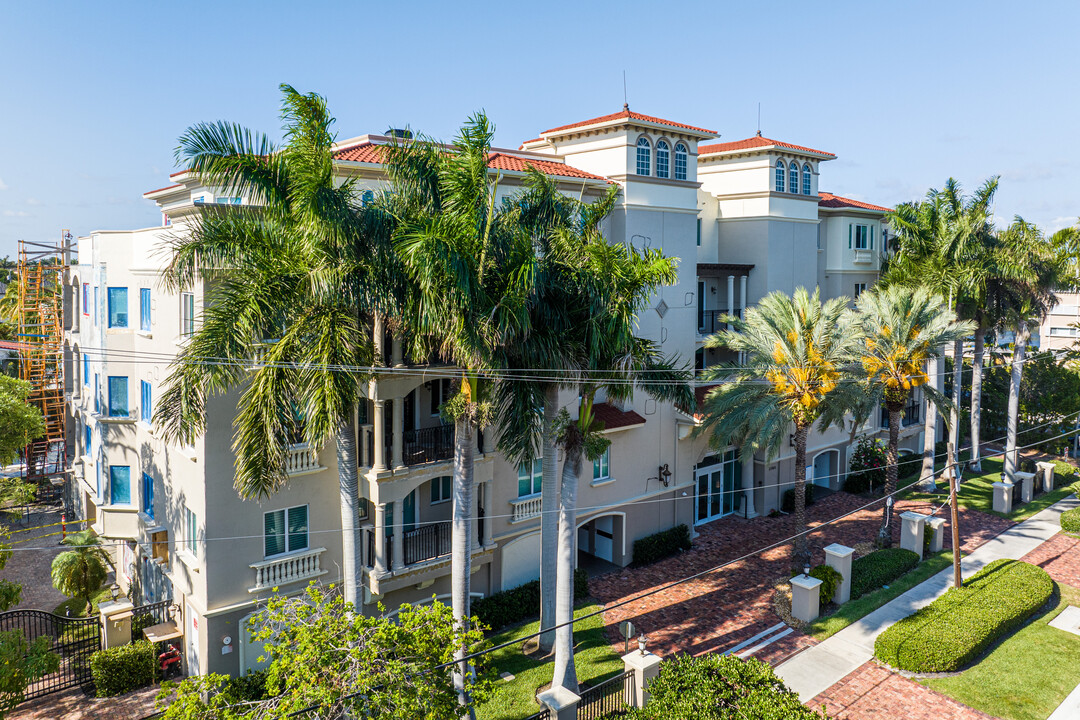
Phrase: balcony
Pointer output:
(863, 257)
(525, 508)
(298, 567)
(709, 321)
(428, 445)
(302, 459)
(427, 542)
(118, 521)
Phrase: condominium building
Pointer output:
(743, 218)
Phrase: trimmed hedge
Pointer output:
(1070, 520)
(787, 504)
(520, 603)
(955, 629)
(879, 568)
(830, 579)
(122, 669)
(660, 545)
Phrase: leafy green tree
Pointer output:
(1049, 399)
(343, 663)
(291, 279)
(795, 350)
(721, 687)
(81, 571)
(22, 663)
(20, 422)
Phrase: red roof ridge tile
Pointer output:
(830, 200)
(756, 142)
(627, 114)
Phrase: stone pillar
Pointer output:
(911, 533)
(561, 702)
(937, 542)
(1003, 495)
(730, 296)
(398, 433)
(805, 597)
(380, 538)
(378, 427)
(1027, 485)
(1047, 471)
(645, 667)
(839, 557)
(115, 622)
(398, 554)
(748, 481)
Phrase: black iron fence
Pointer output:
(428, 445)
(606, 700)
(145, 616)
(73, 639)
(427, 542)
(544, 714)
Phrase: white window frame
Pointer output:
(285, 518)
(537, 478)
(807, 172)
(190, 543)
(602, 465)
(793, 177)
(663, 159)
(862, 239)
(682, 156)
(860, 288)
(644, 156)
(781, 175)
(187, 324)
(437, 482)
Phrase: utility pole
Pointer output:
(957, 578)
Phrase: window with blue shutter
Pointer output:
(97, 393)
(118, 397)
(148, 495)
(120, 485)
(144, 309)
(89, 441)
(86, 370)
(849, 236)
(145, 406)
(118, 307)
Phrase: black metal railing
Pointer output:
(608, 699)
(427, 542)
(910, 415)
(544, 714)
(428, 445)
(710, 321)
(73, 639)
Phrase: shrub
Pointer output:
(788, 502)
(830, 579)
(879, 568)
(927, 538)
(122, 669)
(1070, 520)
(720, 687)
(1064, 474)
(660, 545)
(139, 623)
(520, 603)
(250, 687)
(1027, 465)
(867, 468)
(955, 629)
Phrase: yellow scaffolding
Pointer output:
(41, 272)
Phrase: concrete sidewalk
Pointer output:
(817, 668)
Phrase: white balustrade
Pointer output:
(287, 569)
(301, 459)
(525, 508)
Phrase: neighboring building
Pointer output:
(744, 219)
(1058, 330)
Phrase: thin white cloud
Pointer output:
(3, 185)
(16, 213)
(32, 201)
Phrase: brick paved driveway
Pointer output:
(875, 693)
(74, 704)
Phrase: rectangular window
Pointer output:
(118, 307)
(699, 232)
(530, 483)
(227, 200)
(97, 393)
(440, 489)
(86, 370)
(118, 396)
(440, 393)
(144, 309)
(860, 288)
(862, 237)
(120, 485)
(601, 466)
(1064, 331)
(86, 298)
(146, 408)
(191, 530)
(148, 496)
(187, 314)
(285, 530)
(89, 441)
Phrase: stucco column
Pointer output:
(365, 456)
(380, 538)
(742, 296)
(485, 495)
(748, 487)
(377, 336)
(396, 352)
(730, 296)
(398, 554)
(378, 427)
(398, 432)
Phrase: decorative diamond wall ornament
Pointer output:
(661, 308)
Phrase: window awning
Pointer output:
(722, 269)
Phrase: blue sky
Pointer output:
(94, 95)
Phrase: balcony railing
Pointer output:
(287, 569)
(301, 459)
(709, 321)
(428, 445)
(427, 542)
(525, 508)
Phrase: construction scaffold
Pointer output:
(42, 271)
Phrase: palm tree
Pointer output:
(794, 348)
(901, 330)
(81, 571)
(291, 279)
(474, 274)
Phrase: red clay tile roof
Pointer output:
(167, 187)
(11, 345)
(835, 201)
(614, 418)
(699, 394)
(371, 153)
(626, 114)
(756, 142)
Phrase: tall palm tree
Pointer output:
(474, 273)
(900, 329)
(795, 349)
(81, 571)
(291, 278)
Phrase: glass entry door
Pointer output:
(718, 486)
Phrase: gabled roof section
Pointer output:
(758, 143)
(615, 419)
(622, 118)
(828, 200)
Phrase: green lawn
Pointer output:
(514, 700)
(1027, 676)
(861, 607)
(78, 607)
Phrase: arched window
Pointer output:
(806, 179)
(680, 161)
(663, 160)
(780, 169)
(644, 156)
(793, 183)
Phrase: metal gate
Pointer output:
(73, 639)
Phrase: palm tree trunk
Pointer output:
(976, 397)
(1019, 348)
(926, 477)
(954, 414)
(892, 474)
(801, 557)
(461, 540)
(549, 520)
(349, 498)
(565, 674)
